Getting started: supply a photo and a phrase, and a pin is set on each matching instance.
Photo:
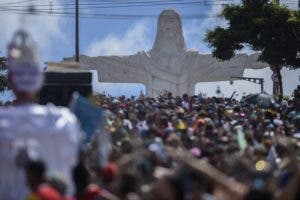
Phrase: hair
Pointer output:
(81, 177)
(37, 168)
(177, 187)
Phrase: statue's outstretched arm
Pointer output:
(115, 69)
(252, 62)
(206, 68)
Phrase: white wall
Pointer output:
(290, 81)
(117, 89)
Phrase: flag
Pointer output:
(89, 116)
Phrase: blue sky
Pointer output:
(54, 35)
(94, 31)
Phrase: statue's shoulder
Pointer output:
(139, 57)
(191, 51)
(240, 55)
(199, 56)
(143, 54)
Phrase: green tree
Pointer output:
(264, 26)
(3, 75)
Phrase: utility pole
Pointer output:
(51, 7)
(77, 32)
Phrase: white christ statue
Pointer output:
(169, 65)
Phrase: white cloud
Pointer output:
(42, 28)
(136, 38)
(195, 30)
(292, 4)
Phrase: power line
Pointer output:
(61, 11)
(112, 16)
(53, 9)
(123, 4)
(108, 4)
(105, 16)
(150, 1)
(17, 2)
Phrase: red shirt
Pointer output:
(45, 192)
(92, 192)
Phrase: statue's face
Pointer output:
(169, 25)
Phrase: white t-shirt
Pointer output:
(142, 126)
(50, 133)
(127, 122)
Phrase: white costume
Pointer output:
(48, 132)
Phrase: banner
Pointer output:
(89, 116)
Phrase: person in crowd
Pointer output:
(30, 131)
(36, 180)
(84, 189)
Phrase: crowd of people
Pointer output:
(164, 148)
(202, 148)
(178, 148)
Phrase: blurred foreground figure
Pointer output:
(29, 131)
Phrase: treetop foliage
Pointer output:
(265, 26)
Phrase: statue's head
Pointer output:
(169, 31)
(169, 23)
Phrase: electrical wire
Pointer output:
(17, 2)
(124, 4)
(62, 10)
(105, 16)
(53, 10)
